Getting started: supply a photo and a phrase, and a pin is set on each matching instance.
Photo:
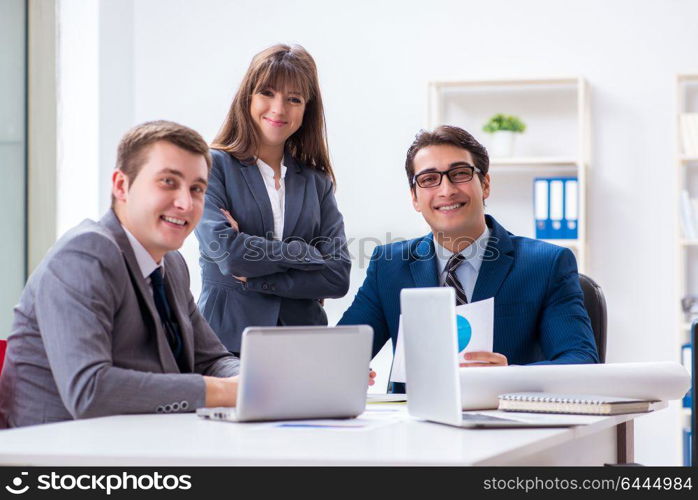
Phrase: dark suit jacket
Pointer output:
(286, 279)
(539, 313)
(87, 340)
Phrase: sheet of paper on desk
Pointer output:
(362, 423)
(544, 418)
(475, 323)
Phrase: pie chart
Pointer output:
(465, 332)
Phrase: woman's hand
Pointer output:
(233, 223)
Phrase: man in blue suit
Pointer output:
(539, 313)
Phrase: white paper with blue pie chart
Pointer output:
(475, 326)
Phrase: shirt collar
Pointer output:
(267, 171)
(473, 253)
(146, 263)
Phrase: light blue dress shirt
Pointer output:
(469, 269)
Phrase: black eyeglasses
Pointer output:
(456, 175)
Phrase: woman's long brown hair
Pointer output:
(279, 67)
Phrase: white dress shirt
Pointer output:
(146, 263)
(277, 197)
(468, 270)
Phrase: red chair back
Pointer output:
(3, 348)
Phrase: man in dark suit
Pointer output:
(106, 323)
(539, 313)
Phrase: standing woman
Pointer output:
(271, 238)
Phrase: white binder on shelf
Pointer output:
(689, 133)
(688, 221)
(541, 207)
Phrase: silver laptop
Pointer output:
(289, 373)
(431, 362)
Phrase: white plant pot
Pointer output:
(502, 144)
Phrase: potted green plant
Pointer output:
(503, 129)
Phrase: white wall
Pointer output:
(78, 114)
(95, 102)
(13, 142)
(375, 59)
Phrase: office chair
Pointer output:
(595, 304)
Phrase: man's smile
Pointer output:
(174, 221)
(449, 207)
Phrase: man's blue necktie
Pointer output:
(169, 322)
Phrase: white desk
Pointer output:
(185, 439)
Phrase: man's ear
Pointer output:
(413, 194)
(485, 187)
(119, 185)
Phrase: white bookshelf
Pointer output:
(557, 114)
(686, 101)
(687, 272)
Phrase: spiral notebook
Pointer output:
(587, 404)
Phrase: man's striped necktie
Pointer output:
(452, 280)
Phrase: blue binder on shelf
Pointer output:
(571, 215)
(690, 443)
(556, 207)
(686, 360)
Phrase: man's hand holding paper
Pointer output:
(483, 358)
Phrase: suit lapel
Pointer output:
(423, 267)
(295, 194)
(494, 269)
(253, 178)
(145, 295)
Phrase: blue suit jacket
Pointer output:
(539, 313)
(286, 278)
